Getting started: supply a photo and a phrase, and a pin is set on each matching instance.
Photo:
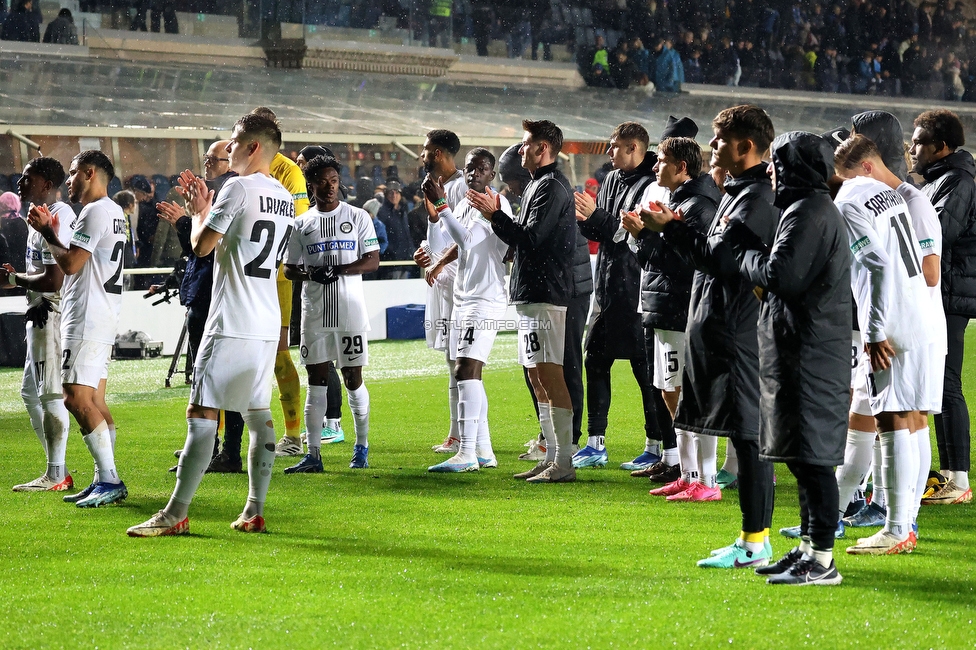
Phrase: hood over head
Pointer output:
(804, 162)
(510, 165)
(683, 128)
(885, 131)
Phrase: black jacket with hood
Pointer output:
(805, 315)
(950, 186)
(616, 329)
(720, 385)
(666, 284)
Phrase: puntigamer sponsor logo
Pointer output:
(338, 245)
(859, 244)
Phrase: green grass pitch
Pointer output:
(395, 557)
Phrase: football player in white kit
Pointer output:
(925, 222)
(41, 389)
(248, 226)
(895, 321)
(437, 156)
(333, 244)
(91, 301)
(480, 302)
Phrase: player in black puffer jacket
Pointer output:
(948, 172)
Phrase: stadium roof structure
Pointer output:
(93, 96)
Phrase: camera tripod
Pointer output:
(174, 364)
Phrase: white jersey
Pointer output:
(659, 195)
(886, 273)
(342, 236)
(454, 190)
(39, 253)
(92, 297)
(255, 214)
(480, 275)
(929, 232)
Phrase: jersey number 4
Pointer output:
(264, 229)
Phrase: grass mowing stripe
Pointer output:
(393, 556)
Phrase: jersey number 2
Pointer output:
(254, 268)
(114, 283)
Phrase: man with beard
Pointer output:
(948, 172)
(91, 303)
(437, 157)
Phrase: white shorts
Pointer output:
(233, 374)
(542, 333)
(84, 362)
(41, 369)
(857, 351)
(669, 359)
(347, 349)
(935, 379)
(861, 386)
(902, 386)
(437, 317)
(473, 331)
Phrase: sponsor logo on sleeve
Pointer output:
(371, 242)
(927, 244)
(81, 237)
(860, 244)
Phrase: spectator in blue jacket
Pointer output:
(669, 74)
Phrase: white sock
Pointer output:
(596, 442)
(359, 407)
(562, 424)
(961, 479)
(688, 455)
(671, 457)
(197, 451)
(36, 413)
(731, 464)
(56, 425)
(111, 435)
(923, 444)
(260, 460)
(333, 423)
(652, 446)
(896, 465)
(470, 395)
(806, 547)
(452, 401)
(545, 422)
(316, 403)
(483, 446)
(824, 557)
(858, 455)
(100, 446)
(878, 497)
(708, 450)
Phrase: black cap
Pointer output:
(836, 136)
(683, 128)
(313, 150)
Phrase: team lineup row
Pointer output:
(751, 279)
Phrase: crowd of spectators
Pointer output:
(876, 47)
(881, 47)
